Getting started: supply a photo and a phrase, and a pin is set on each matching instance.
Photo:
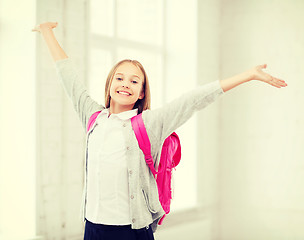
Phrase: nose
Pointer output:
(125, 84)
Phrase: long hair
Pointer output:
(141, 104)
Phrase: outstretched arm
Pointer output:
(255, 73)
(161, 122)
(83, 104)
(46, 30)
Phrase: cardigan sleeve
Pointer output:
(83, 104)
(161, 122)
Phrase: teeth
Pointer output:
(124, 93)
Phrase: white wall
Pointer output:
(262, 130)
(17, 120)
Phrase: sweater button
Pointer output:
(124, 125)
(128, 148)
(130, 172)
(133, 220)
(132, 197)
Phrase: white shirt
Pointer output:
(108, 192)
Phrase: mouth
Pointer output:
(125, 93)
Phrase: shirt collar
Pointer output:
(123, 115)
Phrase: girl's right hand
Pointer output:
(46, 25)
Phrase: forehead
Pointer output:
(129, 69)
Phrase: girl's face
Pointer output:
(126, 87)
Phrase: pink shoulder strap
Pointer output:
(143, 140)
(92, 120)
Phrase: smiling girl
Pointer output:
(128, 87)
(120, 193)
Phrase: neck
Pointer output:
(117, 108)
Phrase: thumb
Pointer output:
(263, 65)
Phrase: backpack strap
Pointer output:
(92, 120)
(143, 140)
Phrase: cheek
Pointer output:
(138, 90)
(111, 88)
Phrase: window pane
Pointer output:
(99, 66)
(181, 77)
(102, 17)
(140, 20)
(153, 66)
(185, 176)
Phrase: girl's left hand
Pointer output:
(258, 74)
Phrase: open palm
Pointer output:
(259, 74)
(50, 25)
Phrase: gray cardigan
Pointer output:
(145, 207)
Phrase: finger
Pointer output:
(54, 25)
(277, 82)
(270, 80)
(264, 65)
(273, 83)
(280, 82)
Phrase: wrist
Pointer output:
(248, 76)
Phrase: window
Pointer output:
(160, 34)
(118, 31)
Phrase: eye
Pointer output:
(119, 79)
(134, 81)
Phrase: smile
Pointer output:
(124, 93)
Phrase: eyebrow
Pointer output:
(134, 75)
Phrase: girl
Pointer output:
(120, 193)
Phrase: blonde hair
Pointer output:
(141, 104)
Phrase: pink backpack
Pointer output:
(169, 158)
